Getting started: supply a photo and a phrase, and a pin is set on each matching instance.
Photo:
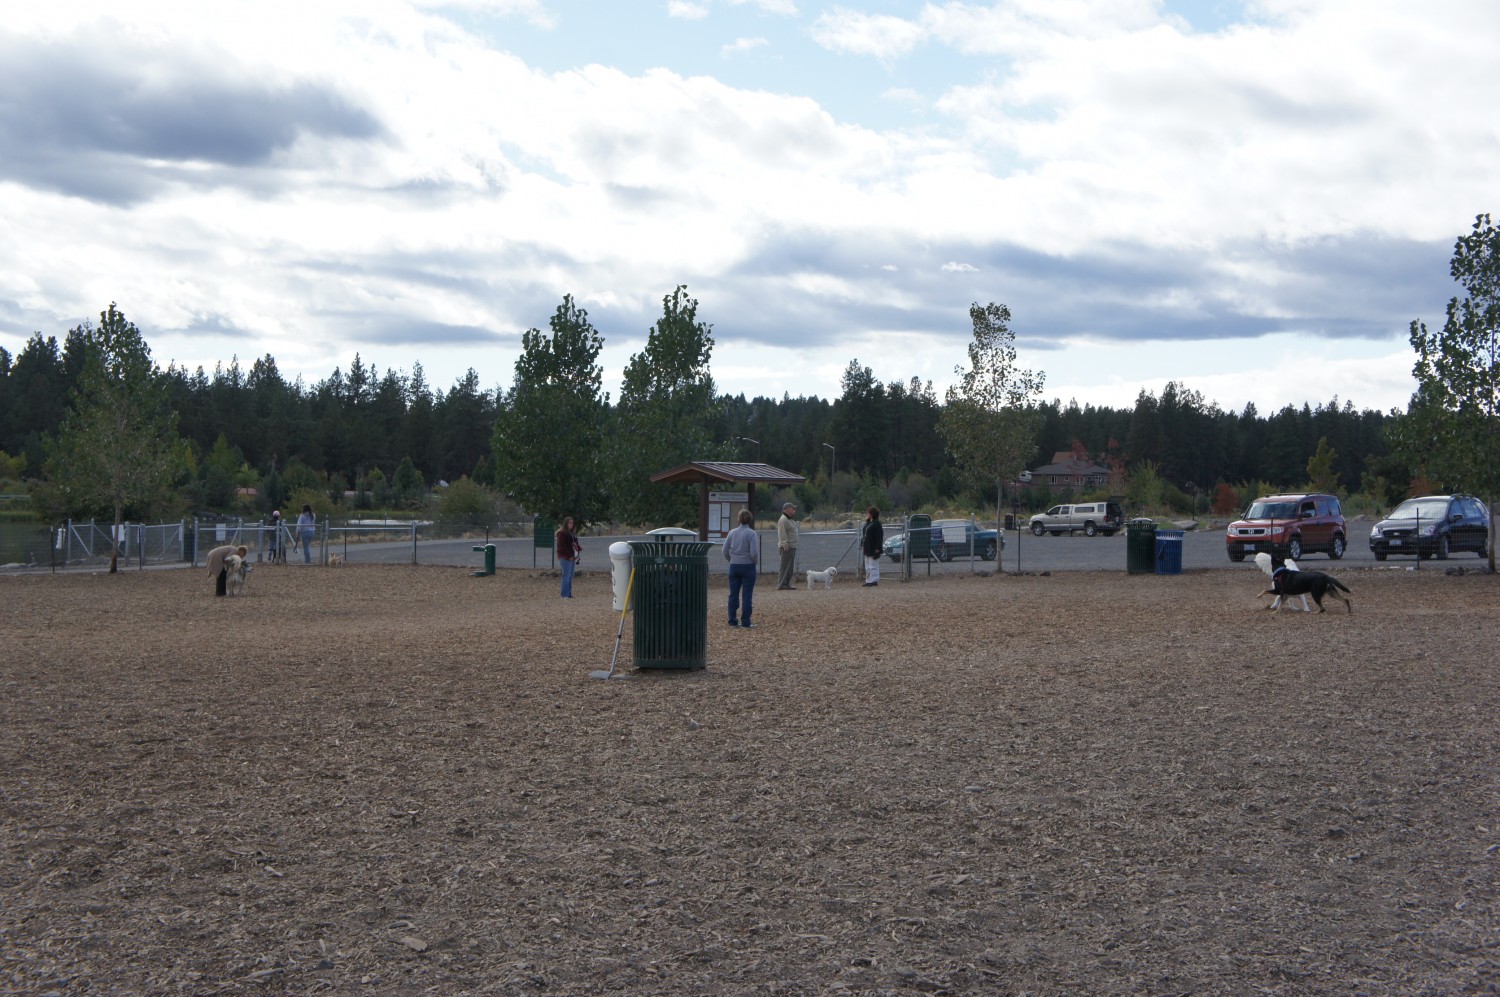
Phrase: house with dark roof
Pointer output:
(1069, 472)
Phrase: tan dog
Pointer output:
(218, 554)
(235, 570)
(334, 560)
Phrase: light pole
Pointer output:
(833, 461)
(746, 439)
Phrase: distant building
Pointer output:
(1069, 472)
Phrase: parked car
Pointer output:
(1089, 517)
(1288, 526)
(949, 538)
(1433, 525)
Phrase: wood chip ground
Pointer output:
(401, 780)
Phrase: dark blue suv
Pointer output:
(1433, 526)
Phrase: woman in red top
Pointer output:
(568, 550)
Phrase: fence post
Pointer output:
(413, 541)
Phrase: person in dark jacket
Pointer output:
(874, 541)
(568, 549)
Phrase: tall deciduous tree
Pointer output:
(1452, 430)
(665, 416)
(990, 420)
(117, 446)
(550, 424)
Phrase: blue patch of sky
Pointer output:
(1207, 16)
(744, 47)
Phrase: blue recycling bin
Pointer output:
(1169, 552)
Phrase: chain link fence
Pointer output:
(79, 545)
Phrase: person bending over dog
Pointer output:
(216, 570)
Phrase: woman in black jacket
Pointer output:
(874, 541)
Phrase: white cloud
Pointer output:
(854, 32)
(687, 10)
(787, 8)
(532, 11)
(742, 45)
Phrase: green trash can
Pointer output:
(488, 550)
(671, 603)
(1169, 552)
(1140, 547)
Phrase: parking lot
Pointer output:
(1201, 549)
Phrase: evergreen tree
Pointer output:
(665, 415)
(548, 431)
(117, 447)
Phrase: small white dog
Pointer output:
(825, 576)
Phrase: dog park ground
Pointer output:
(402, 780)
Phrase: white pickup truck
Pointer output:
(1091, 518)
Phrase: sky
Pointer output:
(1253, 199)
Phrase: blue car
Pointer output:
(950, 538)
(1433, 526)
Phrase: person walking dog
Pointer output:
(786, 543)
(742, 551)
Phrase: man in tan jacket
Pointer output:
(786, 543)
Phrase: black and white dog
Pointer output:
(1289, 582)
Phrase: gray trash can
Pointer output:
(671, 603)
(1169, 552)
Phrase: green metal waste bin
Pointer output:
(919, 537)
(1169, 552)
(1140, 547)
(671, 603)
(488, 550)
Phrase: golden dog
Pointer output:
(235, 570)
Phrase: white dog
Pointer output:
(825, 576)
(235, 570)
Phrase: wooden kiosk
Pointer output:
(719, 508)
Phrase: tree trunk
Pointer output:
(114, 543)
(1492, 535)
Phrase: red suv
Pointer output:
(1288, 526)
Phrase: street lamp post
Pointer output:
(746, 439)
(833, 465)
